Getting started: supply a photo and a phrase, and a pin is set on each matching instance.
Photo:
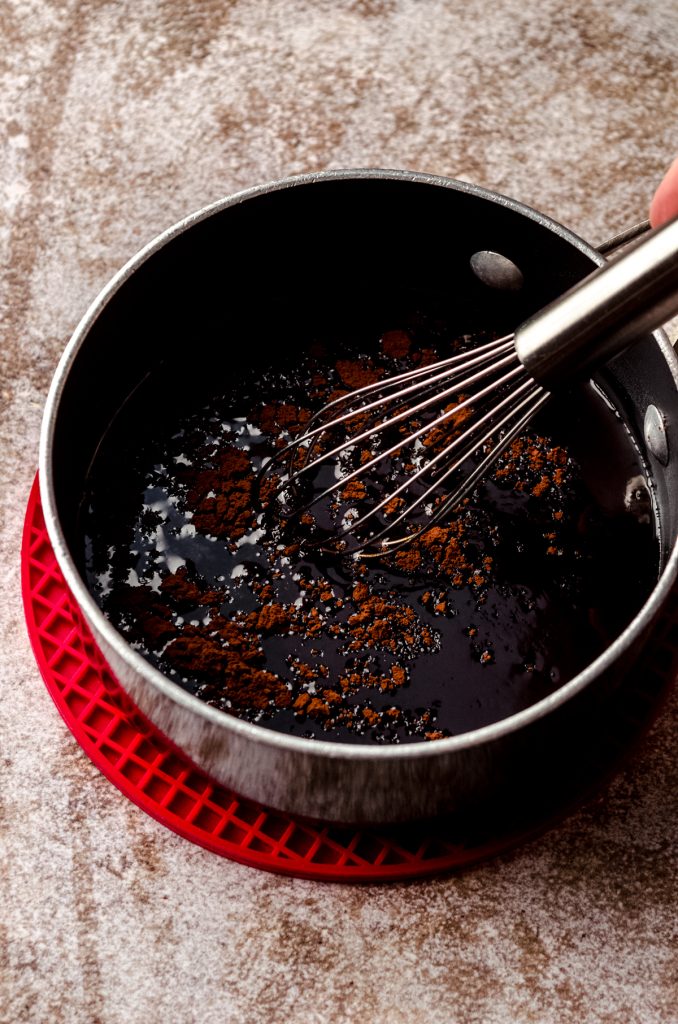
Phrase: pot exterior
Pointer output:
(362, 791)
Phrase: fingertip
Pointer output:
(664, 205)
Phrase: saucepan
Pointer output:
(242, 280)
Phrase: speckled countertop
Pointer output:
(118, 118)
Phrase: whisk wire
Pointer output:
(483, 353)
(406, 414)
(473, 443)
(449, 503)
(466, 442)
(490, 352)
(487, 386)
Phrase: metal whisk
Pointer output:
(405, 441)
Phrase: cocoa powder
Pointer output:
(276, 634)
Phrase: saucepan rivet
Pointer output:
(654, 430)
(496, 271)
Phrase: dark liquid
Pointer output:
(537, 581)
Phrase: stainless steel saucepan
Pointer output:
(340, 244)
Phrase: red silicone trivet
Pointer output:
(165, 784)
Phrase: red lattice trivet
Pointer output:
(160, 780)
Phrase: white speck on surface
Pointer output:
(250, 538)
(19, 141)
(104, 582)
(174, 562)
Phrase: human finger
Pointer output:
(664, 204)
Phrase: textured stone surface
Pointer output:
(118, 118)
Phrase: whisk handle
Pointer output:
(605, 313)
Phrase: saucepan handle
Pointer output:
(609, 310)
(610, 245)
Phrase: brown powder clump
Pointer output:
(198, 653)
(354, 490)
(318, 707)
(158, 630)
(273, 618)
(184, 592)
(408, 560)
(221, 497)
(386, 625)
(304, 671)
(445, 546)
(147, 618)
(244, 684)
(439, 436)
(268, 488)
(557, 456)
(301, 703)
(275, 417)
(524, 464)
(257, 688)
(541, 487)
(393, 506)
(425, 357)
(226, 654)
(356, 374)
(399, 675)
(395, 344)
